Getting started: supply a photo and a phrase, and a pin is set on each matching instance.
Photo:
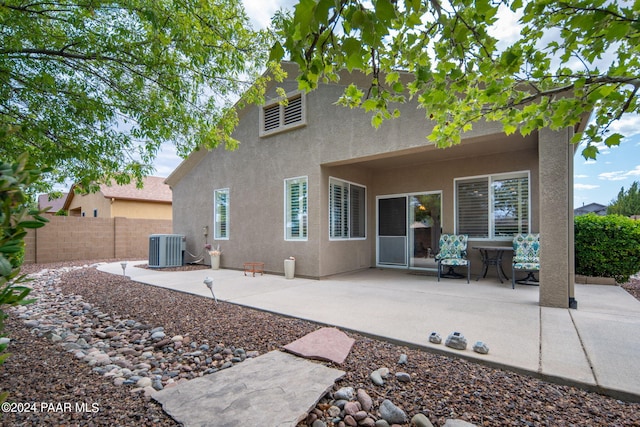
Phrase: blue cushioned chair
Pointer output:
(453, 253)
(526, 257)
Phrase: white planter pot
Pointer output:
(289, 268)
(215, 262)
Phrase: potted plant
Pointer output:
(215, 257)
(289, 267)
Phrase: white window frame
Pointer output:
(303, 234)
(282, 110)
(491, 178)
(217, 228)
(346, 211)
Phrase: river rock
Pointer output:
(457, 423)
(402, 360)
(421, 420)
(345, 393)
(365, 400)
(376, 378)
(391, 413)
(403, 377)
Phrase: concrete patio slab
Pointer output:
(275, 389)
(559, 335)
(593, 347)
(329, 344)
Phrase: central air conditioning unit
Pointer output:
(166, 250)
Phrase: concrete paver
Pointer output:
(595, 346)
(275, 389)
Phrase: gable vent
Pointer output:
(276, 117)
(293, 111)
(271, 117)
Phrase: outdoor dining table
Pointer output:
(492, 255)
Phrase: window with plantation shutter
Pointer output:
(296, 209)
(473, 207)
(510, 206)
(278, 116)
(347, 210)
(357, 211)
(221, 214)
(493, 206)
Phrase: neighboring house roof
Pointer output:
(596, 208)
(54, 205)
(154, 190)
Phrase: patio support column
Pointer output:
(556, 217)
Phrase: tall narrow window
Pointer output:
(347, 210)
(494, 206)
(221, 214)
(296, 209)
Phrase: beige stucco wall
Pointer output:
(87, 203)
(338, 142)
(140, 209)
(556, 224)
(108, 208)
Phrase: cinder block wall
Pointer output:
(67, 238)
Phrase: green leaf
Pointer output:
(277, 52)
(5, 266)
(376, 120)
(590, 152)
(31, 224)
(385, 11)
(613, 140)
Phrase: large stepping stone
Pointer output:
(275, 389)
(328, 344)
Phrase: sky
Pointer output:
(596, 181)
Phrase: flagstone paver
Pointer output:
(330, 344)
(276, 389)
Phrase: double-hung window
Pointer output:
(221, 214)
(347, 210)
(493, 206)
(296, 208)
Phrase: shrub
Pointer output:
(15, 217)
(607, 246)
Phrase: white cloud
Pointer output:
(507, 28)
(613, 176)
(261, 11)
(581, 176)
(585, 186)
(628, 125)
(634, 172)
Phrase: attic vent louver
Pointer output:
(276, 117)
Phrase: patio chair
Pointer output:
(526, 257)
(453, 253)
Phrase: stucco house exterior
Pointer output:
(153, 201)
(317, 182)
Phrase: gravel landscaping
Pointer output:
(157, 337)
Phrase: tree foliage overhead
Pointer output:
(627, 203)
(94, 87)
(570, 58)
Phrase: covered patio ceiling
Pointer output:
(428, 153)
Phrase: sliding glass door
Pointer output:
(408, 230)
